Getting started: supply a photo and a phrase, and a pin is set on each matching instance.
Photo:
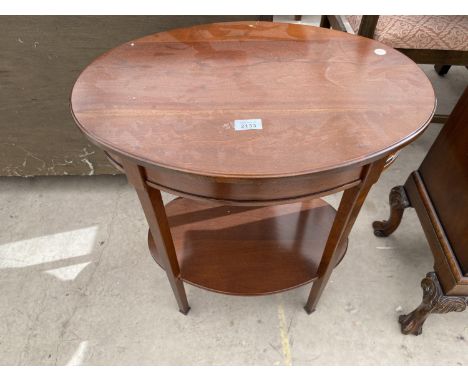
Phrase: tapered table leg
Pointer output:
(153, 207)
(347, 213)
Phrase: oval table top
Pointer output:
(326, 99)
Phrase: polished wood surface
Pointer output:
(249, 250)
(170, 100)
(442, 59)
(444, 172)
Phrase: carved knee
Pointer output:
(398, 201)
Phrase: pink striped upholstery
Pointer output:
(420, 32)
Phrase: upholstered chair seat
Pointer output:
(420, 32)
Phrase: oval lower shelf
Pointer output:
(248, 250)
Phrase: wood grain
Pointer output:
(170, 99)
(444, 172)
(248, 250)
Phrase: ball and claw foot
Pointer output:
(410, 324)
(434, 301)
(398, 202)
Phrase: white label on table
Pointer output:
(380, 52)
(247, 124)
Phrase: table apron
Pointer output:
(246, 191)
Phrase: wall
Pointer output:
(40, 58)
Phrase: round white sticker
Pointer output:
(380, 52)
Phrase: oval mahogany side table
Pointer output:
(250, 123)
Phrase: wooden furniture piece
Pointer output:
(438, 191)
(166, 109)
(438, 40)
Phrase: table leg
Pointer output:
(434, 301)
(349, 208)
(153, 207)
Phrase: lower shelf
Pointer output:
(248, 250)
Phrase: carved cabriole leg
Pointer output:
(398, 202)
(153, 207)
(434, 301)
(350, 205)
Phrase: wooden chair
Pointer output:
(438, 191)
(438, 40)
